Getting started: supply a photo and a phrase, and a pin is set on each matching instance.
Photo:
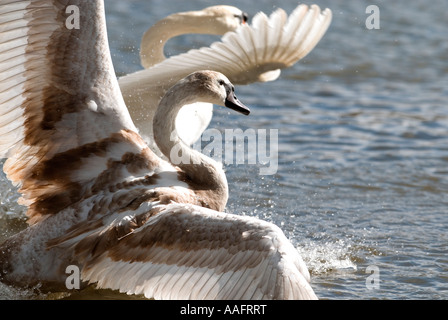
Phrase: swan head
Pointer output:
(214, 87)
(224, 18)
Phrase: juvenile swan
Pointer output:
(98, 198)
(251, 53)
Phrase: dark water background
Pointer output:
(363, 145)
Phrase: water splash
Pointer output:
(12, 293)
(326, 257)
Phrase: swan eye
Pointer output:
(228, 86)
(243, 17)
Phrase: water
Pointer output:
(362, 178)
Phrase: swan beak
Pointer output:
(233, 103)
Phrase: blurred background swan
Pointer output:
(246, 54)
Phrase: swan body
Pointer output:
(251, 53)
(98, 198)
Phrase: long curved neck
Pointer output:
(155, 38)
(201, 170)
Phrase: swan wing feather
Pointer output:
(268, 44)
(183, 251)
(59, 96)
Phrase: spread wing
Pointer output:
(60, 103)
(183, 251)
(253, 52)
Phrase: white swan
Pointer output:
(215, 20)
(98, 198)
(252, 53)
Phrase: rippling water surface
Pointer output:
(362, 121)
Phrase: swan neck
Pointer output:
(200, 169)
(155, 38)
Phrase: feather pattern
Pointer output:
(45, 114)
(207, 254)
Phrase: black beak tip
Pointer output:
(237, 106)
(246, 112)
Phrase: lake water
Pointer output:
(362, 182)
